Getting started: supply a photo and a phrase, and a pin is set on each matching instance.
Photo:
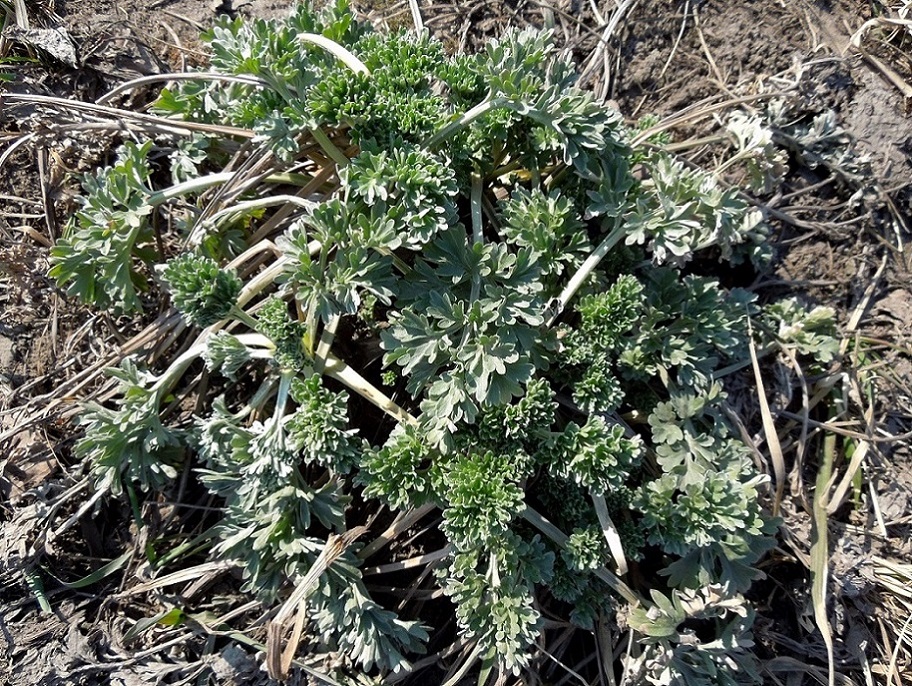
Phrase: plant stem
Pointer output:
(192, 186)
(260, 203)
(330, 148)
(243, 317)
(203, 183)
(560, 538)
(479, 110)
(344, 55)
(585, 270)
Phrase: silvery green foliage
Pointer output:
(526, 70)
(271, 512)
(688, 328)
(411, 187)
(130, 444)
(98, 257)
(673, 653)
(225, 353)
(492, 588)
(809, 332)
(399, 472)
(686, 210)
(202, 292)
(188, 156)
(586, 549)
(821, 141)
(467, 330)
(329, 287)
(765, 162)
(597, 455)
(549, 226)
(479, 186)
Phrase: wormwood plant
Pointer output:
(417, 280)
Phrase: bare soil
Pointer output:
(832, 247)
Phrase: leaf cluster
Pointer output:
(674, 652)
(130, 444)
(100, 256)
(201, 291)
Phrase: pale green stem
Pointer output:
(329, 147)
(326, 341)
(744, 154)
(610, 531)
(262, 281)
(192, 186)
(344, 55)
(337, 369)
(165, 382)
(471, 115)
(477, 227)
(268, 201)
(203, 183)
(560, 538)
(180, 76)
(820, 550)
(266, 277)
(290, 178)
(282, 395)
(506, 169)
(585, 270)
(244, 318)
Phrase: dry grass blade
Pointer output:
(178, 577)
(325, 344)
(677, 43)
(402, 522)
(838, 497)
(903, 637)
(278, 660)
(896, 579)
(720, 79)
(85, 507)
(895, 576)
(605, 650)
(800, 451)
(791, 666)
(622, 8)
(611, 534)
(699, 111)
(455, 676)
(341, 372)
(769, 430)
(820, 552)
(177, 76)
(417, 19)
(572, 674)
(179, 127)
(861, 450)
(411, 563)
(864, 302)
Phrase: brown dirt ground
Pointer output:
(665, 56)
